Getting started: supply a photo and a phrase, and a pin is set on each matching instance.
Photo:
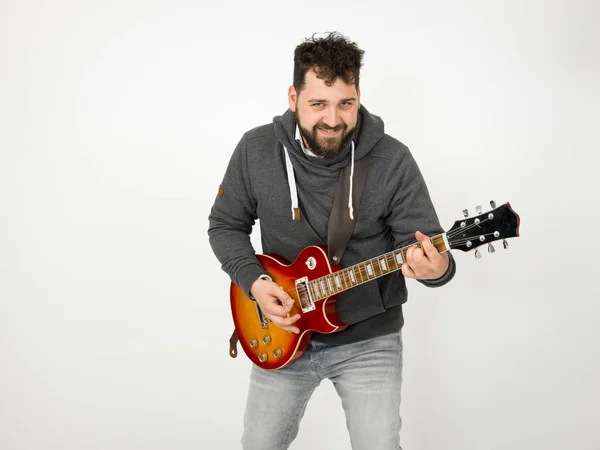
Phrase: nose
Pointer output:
(331, 118)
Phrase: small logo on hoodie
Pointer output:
(220, 190)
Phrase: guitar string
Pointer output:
(403, 250)
(364, 273)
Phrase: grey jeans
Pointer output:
(367, 376)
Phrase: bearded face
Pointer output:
(326, 114)
(323, 140)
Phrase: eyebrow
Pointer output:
(318, 100)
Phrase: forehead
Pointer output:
(316, 88)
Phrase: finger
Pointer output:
(286, 322)
(284, 297)
(419, 258)
(274, 308)
(414, 257)
(291, 329)
(428, 248)
(407, 271)
(410, 254)
(288, 328)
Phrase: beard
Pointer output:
(327, 147)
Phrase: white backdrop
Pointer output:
(117, 121)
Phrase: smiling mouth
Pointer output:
(329, 132)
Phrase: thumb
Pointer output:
(283, 296)
(420, 236)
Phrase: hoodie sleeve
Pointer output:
(231, 219)
(410, 208)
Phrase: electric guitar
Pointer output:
(312, 282)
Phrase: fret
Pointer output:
(399, 257)
(323, 290)
(389, 259)
(352, 277)
(383, 264)
(344, 280)
(376, 267)
(337, 281)
(316, 288)
(329, 285)
(369, 269)
(387, 262)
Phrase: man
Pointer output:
(285, 174)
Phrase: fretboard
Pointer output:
(368, 270)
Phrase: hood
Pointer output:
(320, 173)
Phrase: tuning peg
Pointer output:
(477, 253)
(492, 204)
(478, 209)
(504, 243)
(491, 248)
(466, 213)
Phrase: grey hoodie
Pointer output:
(394, 204)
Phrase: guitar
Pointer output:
(312, 282)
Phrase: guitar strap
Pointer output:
(341, 225)
(233, 340)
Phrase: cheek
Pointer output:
(308, 121)
(350, 120)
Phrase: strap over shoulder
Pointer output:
(341, 225)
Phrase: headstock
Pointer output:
(471, 232)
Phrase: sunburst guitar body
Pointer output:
(267, 345)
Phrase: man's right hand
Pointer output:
(275, 304)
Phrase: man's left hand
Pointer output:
(425, 262)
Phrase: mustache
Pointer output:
(322, 126)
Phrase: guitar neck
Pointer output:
(368, 270)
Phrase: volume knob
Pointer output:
(263, 357)
(277, 353)
(266, 339)
(253, 342)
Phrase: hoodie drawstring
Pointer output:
(294, 191)
(350, 208)
(292, 184)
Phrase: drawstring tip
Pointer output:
(351, 213)
(296, 214)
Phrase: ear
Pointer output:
(292, 98)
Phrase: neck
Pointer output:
(368, 270)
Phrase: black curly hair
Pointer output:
(330, 57)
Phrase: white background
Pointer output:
(117, 120)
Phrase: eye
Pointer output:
(345, 104)
(317, 105)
